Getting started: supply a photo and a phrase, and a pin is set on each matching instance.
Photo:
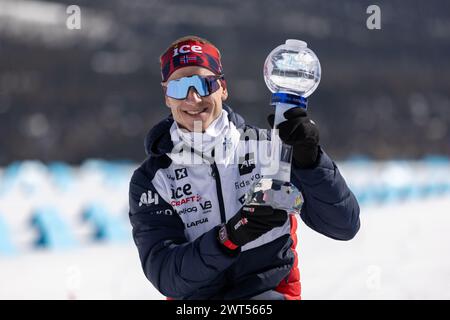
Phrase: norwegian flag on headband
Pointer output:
(190, 53)
(187, 59)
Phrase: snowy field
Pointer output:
(401, 252)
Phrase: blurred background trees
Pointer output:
(70, 95)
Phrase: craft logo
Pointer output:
(177, 203)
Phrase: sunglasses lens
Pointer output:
(179, 88)
(213, 84)
(200, 85)
(176, 90)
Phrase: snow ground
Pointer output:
(401, 252)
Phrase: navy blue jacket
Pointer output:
(175, 210)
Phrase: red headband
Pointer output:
(190, 53)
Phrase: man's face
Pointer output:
(210, 107)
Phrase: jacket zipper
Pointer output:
(215, 174)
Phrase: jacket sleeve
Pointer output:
(329, 207)
(173, 265)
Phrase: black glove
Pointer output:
(249, 224)
(302, 133)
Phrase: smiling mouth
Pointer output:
(194, 113)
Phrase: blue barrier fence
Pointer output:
(6, 245)
(62, 207)
(95, 196)
(53, 231)
(106, 226)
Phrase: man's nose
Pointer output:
(193, 96)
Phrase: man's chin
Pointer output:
(199, 125)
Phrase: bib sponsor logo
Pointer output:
(180, 192)
(177, 203)
(248, 182)
(246, 164)
(242, 199)
(181, 173)
(196, 223)
(187, 210)
(206, 206)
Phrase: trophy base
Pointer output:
(275, 193)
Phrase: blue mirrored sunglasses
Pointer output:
(179, 88)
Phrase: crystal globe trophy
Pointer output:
(292, 72)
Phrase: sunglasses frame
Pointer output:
(210, 80)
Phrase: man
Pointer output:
(196, 239)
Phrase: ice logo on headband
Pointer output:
(187, 48)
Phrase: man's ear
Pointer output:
(224, 94)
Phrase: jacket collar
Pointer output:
(158, 141)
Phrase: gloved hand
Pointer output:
(249, 224)
(300, 132)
